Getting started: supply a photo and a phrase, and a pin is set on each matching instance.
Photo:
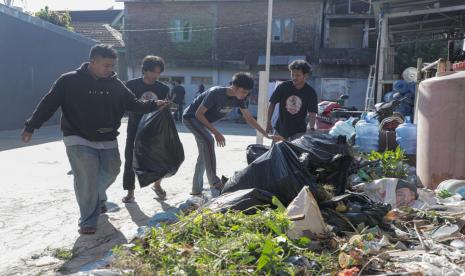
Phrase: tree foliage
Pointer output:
(62, 19)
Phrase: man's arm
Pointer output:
(45, 109)
(311, 121)
(200, 115)
(253, 123)
(135, 105)
(269, 127)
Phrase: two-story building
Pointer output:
(208, 41)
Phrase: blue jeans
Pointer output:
(206, 161)
(94, 171)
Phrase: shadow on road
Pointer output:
(89, 248)
(11, 139)
(137, 216)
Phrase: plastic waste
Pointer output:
(158, 151)
(344, 128)
(455, 186)
(241, 200)
(305, 215)
(367, 136)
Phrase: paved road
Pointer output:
(38, 210)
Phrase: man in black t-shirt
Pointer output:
(297, 100)
(177, 95)
(146, 88)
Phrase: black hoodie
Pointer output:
(92, 109)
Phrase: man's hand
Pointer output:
(26, 136)
(269, 127)
(275, 138)
(220, 140)
(161, 104)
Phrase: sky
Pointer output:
(35, 5)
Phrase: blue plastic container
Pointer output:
(401, 86)
(412, 87)
(406, 137)
(367, 136)
(388, 96)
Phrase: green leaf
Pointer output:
(276, 202)
(265, 257)
(273, 226)
(303, 241)
(234, 227)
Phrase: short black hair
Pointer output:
(149, 63)
(103, 51)
(301, 65)
(243, 80)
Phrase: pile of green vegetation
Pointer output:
(391, 164)
(231, 243)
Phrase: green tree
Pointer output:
(62, 19)
(429, 51)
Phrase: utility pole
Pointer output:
(264, 78)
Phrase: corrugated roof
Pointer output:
(103, 33)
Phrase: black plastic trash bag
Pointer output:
(329, 159)
(242, 200)
(158, 152)
(281, 171)
(354, 208)
(254, 151)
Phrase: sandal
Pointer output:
(195, 194)
(160, 192)
(86, 230)
(129, 199)
(219, 186)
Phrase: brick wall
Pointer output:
(240, 38)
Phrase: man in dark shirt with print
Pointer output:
(93, 101)
(296, 100)
(208, 108)
(145, 88)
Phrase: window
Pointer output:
(202, 80)
(283, 30)
(178, 79)
(182, 30)
(170, 79)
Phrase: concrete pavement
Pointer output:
(38, 209)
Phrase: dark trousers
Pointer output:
(178, 113)
(129, 177)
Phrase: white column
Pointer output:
(264, 78)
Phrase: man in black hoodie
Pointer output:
(93, 101)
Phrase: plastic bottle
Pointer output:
(406, 137)
(367, 136)
(401, 86)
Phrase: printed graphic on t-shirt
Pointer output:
(293, 104)
(226, 110)
(149, 95)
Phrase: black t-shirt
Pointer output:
(294, 105)
(218, 103)
(178, 94)
(156, 91)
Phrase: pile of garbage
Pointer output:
(311, 206)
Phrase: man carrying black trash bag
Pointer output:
(208, 108)
(297, 100)
(146, 88)
(93, 101)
